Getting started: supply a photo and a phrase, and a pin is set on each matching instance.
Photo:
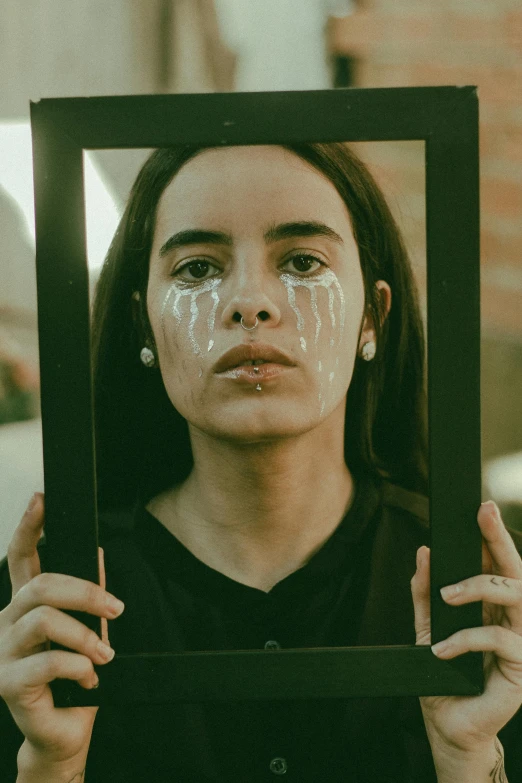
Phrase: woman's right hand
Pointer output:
(32, 620)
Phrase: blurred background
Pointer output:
(59, 48)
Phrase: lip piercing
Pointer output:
(256, 369)
(258, 387)
(249, 328)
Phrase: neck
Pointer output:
(259, 511)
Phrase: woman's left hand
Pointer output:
(466, 723)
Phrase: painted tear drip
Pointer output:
(208, 285)
(329, 281)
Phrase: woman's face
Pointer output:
(254, 232)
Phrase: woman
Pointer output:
(261, 473)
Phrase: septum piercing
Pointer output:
(249, 328)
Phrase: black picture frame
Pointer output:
(446, 119)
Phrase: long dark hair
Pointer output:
(142, 441)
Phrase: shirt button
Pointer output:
(272, 645)
(278, 766)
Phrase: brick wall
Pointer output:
(419, 42)
(423, 43)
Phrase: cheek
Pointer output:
(328, 322)
(186, 319)
(183, 322)
(320, 309)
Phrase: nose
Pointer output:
(251, 295)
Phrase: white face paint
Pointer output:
(329, 281)
(246, 194)
(208, 286)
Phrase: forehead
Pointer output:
(259, 184)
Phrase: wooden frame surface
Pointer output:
(446, 118)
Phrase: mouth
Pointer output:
(255, 373)
(251, 363)
(252, 355)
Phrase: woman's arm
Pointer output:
(485, 765)
(34, 767)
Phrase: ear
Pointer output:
(368, 329)
(140, 321)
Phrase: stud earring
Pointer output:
(147, 357)
(368, 351)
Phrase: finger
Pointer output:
(47, 624)
(487, 561)
(103, 584)
(420, 590)
(504, 554)
(63, 592)
(486, 587)
(493, 590)
(42, 668)
(22, 555)
(493, 638)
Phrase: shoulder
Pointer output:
(404, 520)
(403, 503)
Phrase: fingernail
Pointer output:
(440, 649)
(420, 557)
(451, 591)
(32, 503)
(115, 606)
(492, 507)
(105, 652)
(96, 681)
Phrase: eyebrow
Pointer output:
(303, 228)
(199, 236)
(194, 236)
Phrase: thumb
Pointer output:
(420, 591)
(22, 554)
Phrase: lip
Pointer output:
(233, 360)
(267, 372)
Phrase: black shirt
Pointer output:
(354, 591)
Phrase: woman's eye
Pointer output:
(303, 263)
(196, 270)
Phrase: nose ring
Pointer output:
(249, 328)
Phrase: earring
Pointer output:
(368, 351)
(147, 357)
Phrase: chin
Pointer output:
(248, 426)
